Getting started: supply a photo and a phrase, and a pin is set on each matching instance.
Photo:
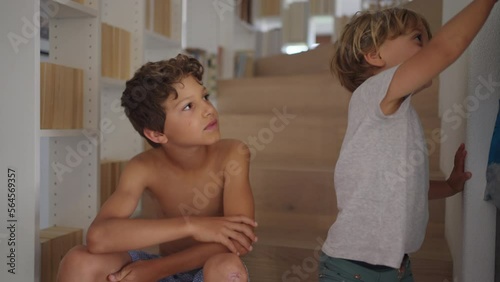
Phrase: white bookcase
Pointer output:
(55, 173)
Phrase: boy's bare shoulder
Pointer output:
(230, 147)
(146, 159)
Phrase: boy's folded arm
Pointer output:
(238, 197)
(112, 230)
(444, 49)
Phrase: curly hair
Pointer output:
(365, 33)
(150, 86)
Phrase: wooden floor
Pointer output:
(275, 259)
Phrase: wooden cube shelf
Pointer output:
(115, 52)
(270, 8)
(162, 17)
(61, 100)
(55, 243)
(110, 175)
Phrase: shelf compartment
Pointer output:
(163, 24)
(60, 132)
(55, 242)
(61, 97)
(113, 84)
(63, 9)
(110, 176)
(115, 52)
(155, 40)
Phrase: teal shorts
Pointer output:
(343, 270)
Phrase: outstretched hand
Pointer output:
(459, 176)
(224, 230)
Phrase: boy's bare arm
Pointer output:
(444, 49)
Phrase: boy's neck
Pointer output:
(186, 158)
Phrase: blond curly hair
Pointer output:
(365, 33)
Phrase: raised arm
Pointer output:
(444, 49)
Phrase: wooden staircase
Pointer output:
(294, 119)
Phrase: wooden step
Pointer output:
(293, 191)
(308, 195)
(317, 94)
(313, 61)
(303, 140)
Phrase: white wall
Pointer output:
(347, 7)
(201, 25)
(453, 90)
(470, 221)
(480, 216)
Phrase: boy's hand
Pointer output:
(138, 271)
(223, 229)
(458, 176)
(240, 249)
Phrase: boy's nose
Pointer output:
(209, 111)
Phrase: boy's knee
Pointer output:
(225, 268)
(78, 259)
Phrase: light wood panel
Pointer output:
(110, 176)
(61, 97)
(115, 52)
(162, 17)
(55, 243)
(322, 7)
(270, 8)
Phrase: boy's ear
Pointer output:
(155, 136)
(374, 59)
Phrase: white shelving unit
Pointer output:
(57, 172)
(120, 142)
(54, 171)
(72, 156)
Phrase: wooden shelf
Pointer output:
(60, 132)
(61, 97)
(115, 52)
(153, 40)
(112, 84)
(68, 9)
